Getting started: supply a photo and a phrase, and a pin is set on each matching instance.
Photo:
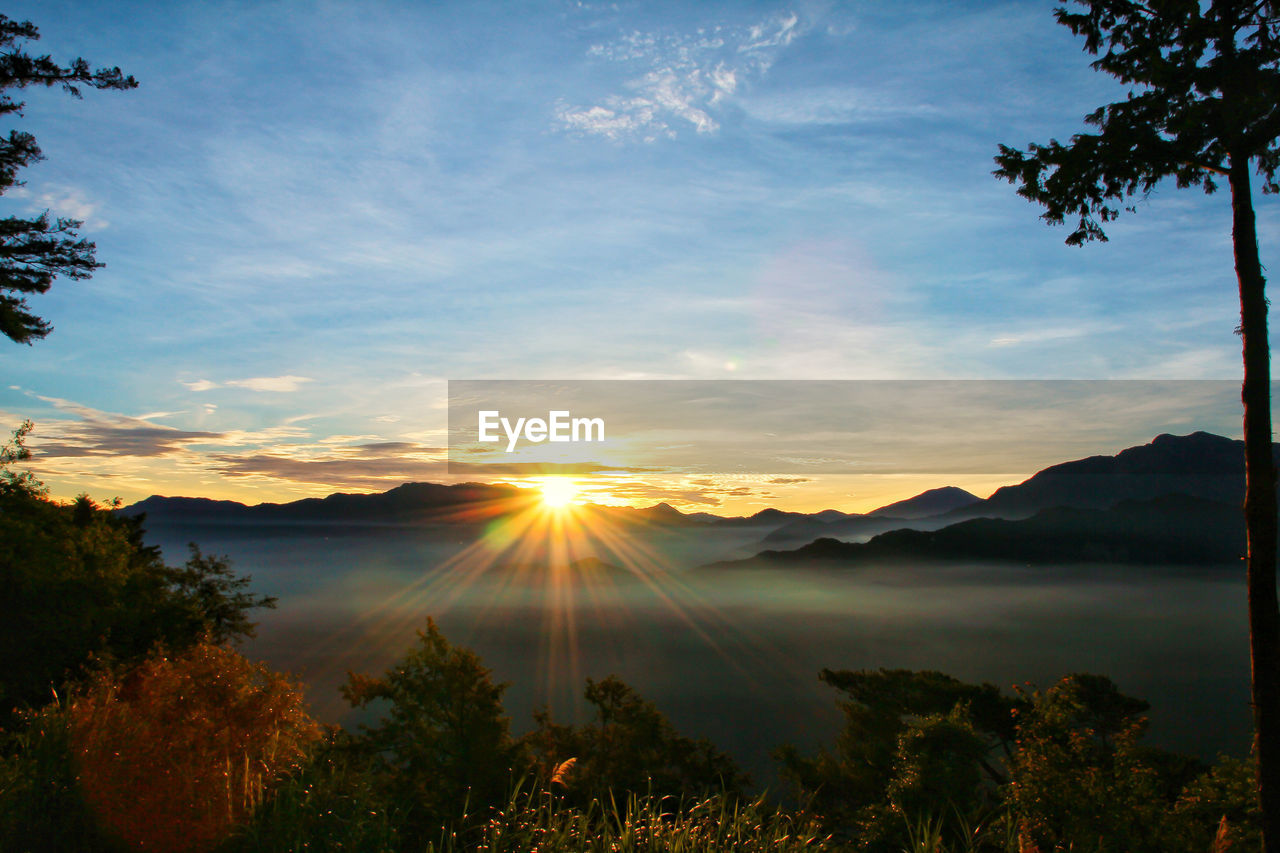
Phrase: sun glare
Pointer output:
(558, 493)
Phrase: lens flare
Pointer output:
(558, 493)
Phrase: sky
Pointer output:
(314, 215)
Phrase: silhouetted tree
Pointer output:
(444, 743)
(631, 747)
(913, 744)
(1204, 105)
(77, 580)
(1079, 776)
(35, 251)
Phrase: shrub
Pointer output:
(176, 751)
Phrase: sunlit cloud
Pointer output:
(277, 384)
(679, 80)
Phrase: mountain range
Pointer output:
(1176, 499)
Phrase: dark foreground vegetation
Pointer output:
(130, 721)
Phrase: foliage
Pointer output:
(926, 762)
(166, 755)
(535, 819)
(41, 805)
(333, 803)
(77, 580)
(1205, 91)
(912, 743)
(1219, 809)
(630, 748)
(13, 452)
(444, 739)
(174, 752)
(35, 251)
(1079, 776)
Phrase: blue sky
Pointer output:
(314, 214)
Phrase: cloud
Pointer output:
(64, 202)
(111, 434)
(829, 105)
(112, 447)
(697, 493)
(107, 434)
(96, 439)
(373, 465)
(278, 384)
(679, 79)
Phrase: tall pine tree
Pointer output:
(1204, 106)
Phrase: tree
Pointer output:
(914, 745)
(1079, 777)
(444, 744)
(33, 252)
(1204, 106)
(77, 580)
(631, 748)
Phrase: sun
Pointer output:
(558, 493)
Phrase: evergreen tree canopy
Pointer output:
(34, 251)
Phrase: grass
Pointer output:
(537, 819)
(306, 814)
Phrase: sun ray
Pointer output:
(536, 549)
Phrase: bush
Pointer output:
(176, 751)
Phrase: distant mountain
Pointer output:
(763, 518)
(830, 515)
(919, 513)
(410, 503)
(855, 528)
(1171, 530)
(1201, 465)
(925, 504)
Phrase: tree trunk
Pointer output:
(1259, 503)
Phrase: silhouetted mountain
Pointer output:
(1172, 529)
(410, 503)
(917, 512)
(829, 515)
(854, 528)
(1200, 465)
(763, 518)
(925, 504)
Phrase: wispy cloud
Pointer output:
(277, 384)
(373, 465)
(63, 201)
(830, 105)
(679, 78)
(285, 458)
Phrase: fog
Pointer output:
(733, 654)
